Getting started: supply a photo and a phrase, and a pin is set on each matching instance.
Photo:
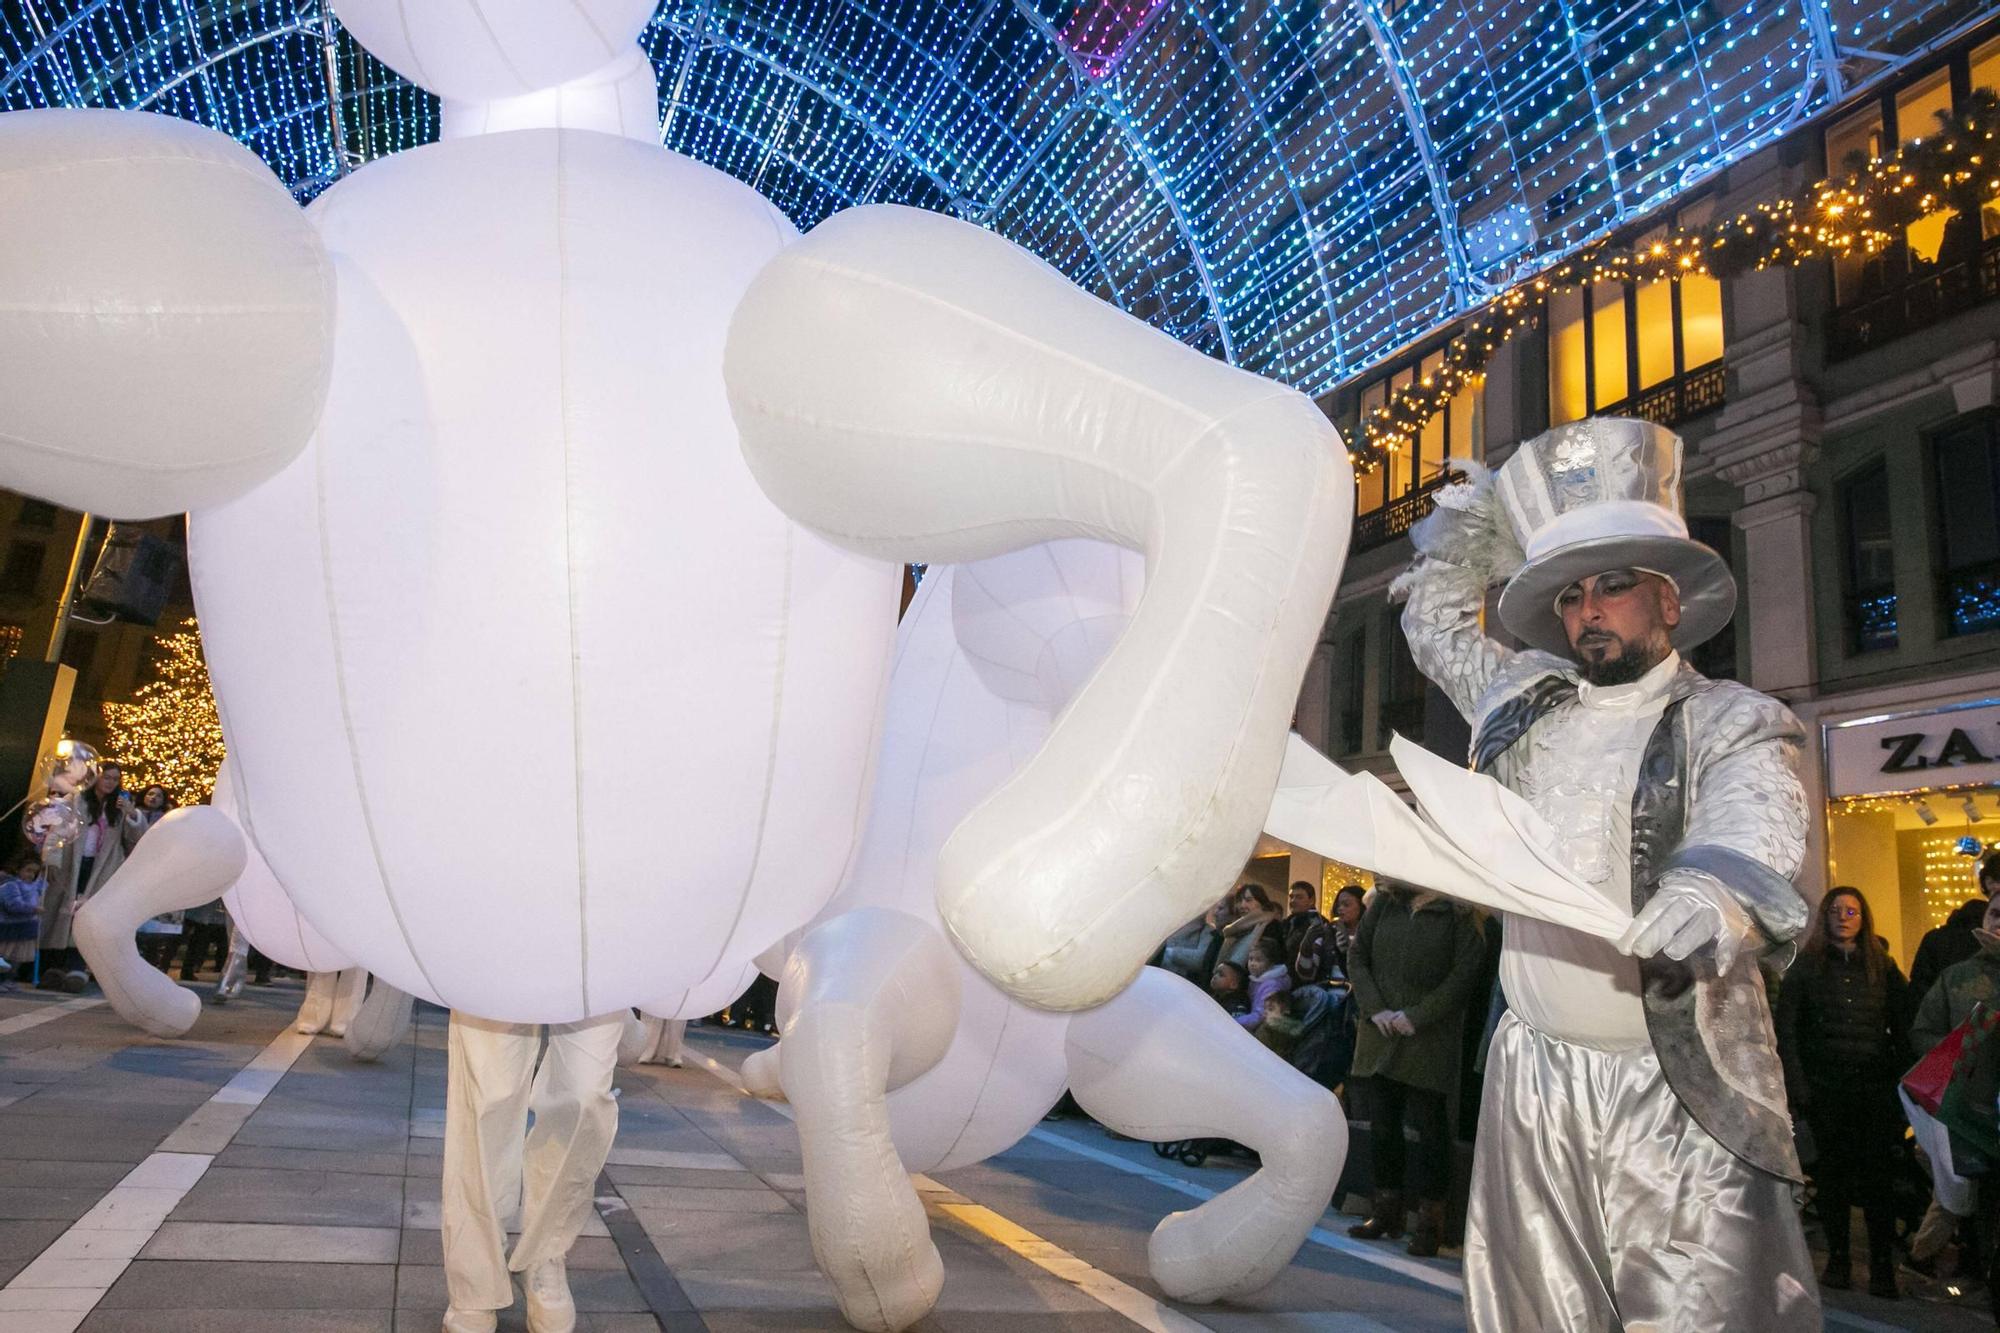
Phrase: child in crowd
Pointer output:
(1279, 1030)
(1268, 977)
(21, 917)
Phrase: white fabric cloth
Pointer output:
(1579, 775)
(1475, 840)
(493, 1162)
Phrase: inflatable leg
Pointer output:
(916, 388)
(187, 859)
(382, 1020)
(317, 1009)
(635, 1037)
(868, 1002)
(1162, 1062)
(761, 1074)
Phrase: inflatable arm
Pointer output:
(185, 860)
(916, 388)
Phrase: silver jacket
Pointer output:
(1718, 799)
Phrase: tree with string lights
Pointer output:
(170, 733)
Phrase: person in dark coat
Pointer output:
(1308, 937)
(1951, 942)
(1840, 1035)
(1414, 963)
(1347, 907)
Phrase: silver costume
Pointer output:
(1634, 1166)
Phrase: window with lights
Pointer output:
(1646, 349)
(1419, 465)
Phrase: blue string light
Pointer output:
(1249, 178)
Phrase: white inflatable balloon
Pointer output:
(168, 316)
(480, 50)
(258, 904)
(1028, 410)
(516, 661)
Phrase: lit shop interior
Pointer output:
(1914, 855)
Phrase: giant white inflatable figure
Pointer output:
(898, 1056)
(472, 529)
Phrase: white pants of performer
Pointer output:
(668, 1044)
(1599, 1204)
(493, 1083)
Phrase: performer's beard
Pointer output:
(1606, 659)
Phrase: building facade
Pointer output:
(1843, 453)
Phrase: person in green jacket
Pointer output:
(1413, 964)
(1959, 987)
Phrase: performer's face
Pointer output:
(1618, 623)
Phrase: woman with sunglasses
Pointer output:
(1840, 1023)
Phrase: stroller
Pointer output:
(1324, 1053)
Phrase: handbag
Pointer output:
(1930, 1076)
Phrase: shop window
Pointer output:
(1968, 526)
(1353, 690)
(1871, 564)
(1716, 657)
(23, 569)
(1452, 434)
(1612, 345)
(1403, 691)
(1917, 110)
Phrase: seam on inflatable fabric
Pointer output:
(771, 748)
(610, 51)
(1013, 614)
(149, 310)
(1093, 369)
(569, 568)
(255, 171)
(347, 716)
(410, 42)
(499, 47)
(178, 469)
(1202, 817)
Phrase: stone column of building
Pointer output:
(1766, 439)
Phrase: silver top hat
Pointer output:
(1596, 495)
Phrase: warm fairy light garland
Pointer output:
(170, 733)
(1862, 213)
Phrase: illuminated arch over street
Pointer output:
(1299, 187)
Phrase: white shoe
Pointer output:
(551, 1309)
(674, 1063)
(470, 1321)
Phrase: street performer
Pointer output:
(1635, 1167)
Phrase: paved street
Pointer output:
(249, 1179)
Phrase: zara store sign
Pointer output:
(1946, 747)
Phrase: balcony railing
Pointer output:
(1932, 293)
(1379, 527)
(1682, 398)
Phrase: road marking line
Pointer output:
(47, 1013)
(64, 1283)
(1101, 1287)
(1114, 1295)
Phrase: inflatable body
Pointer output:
(901, 1057)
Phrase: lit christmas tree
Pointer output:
(170, 732)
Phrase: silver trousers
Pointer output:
(1599, 1204)
(494, 1164)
